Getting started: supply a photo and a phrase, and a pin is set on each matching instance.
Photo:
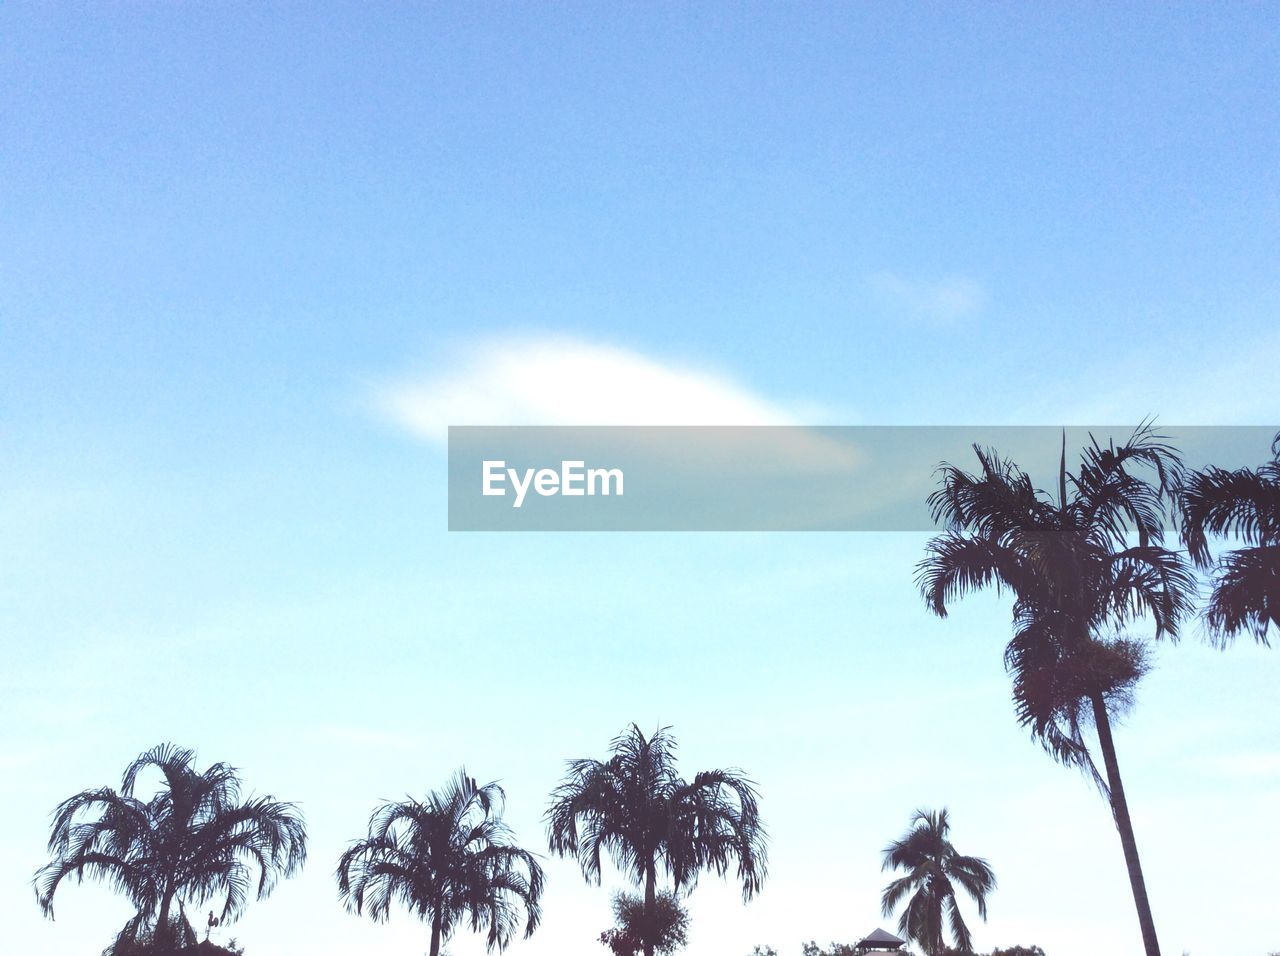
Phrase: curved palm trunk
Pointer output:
(1120, 810)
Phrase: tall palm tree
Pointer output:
(1083, 569)
(635, 807)
(1244, 504)
(934, 868)
(448, 859)
(194, 841)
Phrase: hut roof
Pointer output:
(879, 939)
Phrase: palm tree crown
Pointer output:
(638, 810)
(448, 859)
(934, 869)
(195, 840)
(1082, 568)
(1244, 504)
(1075, 573)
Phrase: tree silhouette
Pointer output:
(934, 869)
(638, 810)
(194, 841)
(666, 924)
(1244, 504)
(1082, 569)
(448, 859)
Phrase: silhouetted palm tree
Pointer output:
(636, 808)
(449, 858)
(1081, 569)
(194, 841)
(1244, 504)
(934, 869)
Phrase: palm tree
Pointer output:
(1082, 568)
(1245, 504)
(447, 858)
(636, 808)
(194, 841)
(933, 869)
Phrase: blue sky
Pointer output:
(250, 258)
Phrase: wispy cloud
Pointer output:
(946, 299)
(554, 380)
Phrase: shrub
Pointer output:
(667, 926)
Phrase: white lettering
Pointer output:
(604, 474)
(494, 471)
(546, 482)
(573, 478)
(522, 487)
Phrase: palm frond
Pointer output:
(448, 859)
(635, 809)
(933, 870)
(194, 839)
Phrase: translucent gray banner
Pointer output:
(759, 478)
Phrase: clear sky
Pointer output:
(253, 258)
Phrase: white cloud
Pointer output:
(565, 381)
(948, 298)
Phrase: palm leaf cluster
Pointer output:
(1244, 505)
(1081, 568)
(636, 808)
(448, 859)
(933, 870)
(195, 840)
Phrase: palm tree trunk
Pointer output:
(435, 935)
(162, 924)
(1120, 810)
(650, 900)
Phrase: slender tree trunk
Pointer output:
(163, 936)
(650, 899)
(435, 935)
(1120, 810)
